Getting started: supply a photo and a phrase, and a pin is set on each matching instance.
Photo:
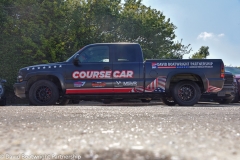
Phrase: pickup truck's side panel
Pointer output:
(169, 68)
(117, 72)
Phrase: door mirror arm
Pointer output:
(76, 61)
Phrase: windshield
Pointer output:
(233, 70)
(69, 59)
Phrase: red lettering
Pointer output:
(102, 74)
(82, 74)
(75, 75)
(116, 74)
(129, 74)
(95, 74)
(89, 74)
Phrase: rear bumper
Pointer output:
(20, 89)
(228, 92)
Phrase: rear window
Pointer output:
(125, 53)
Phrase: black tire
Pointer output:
(186, 93)
(145, 100)
(43, 92)
(3, 102)
(169, 101)
(224, 101)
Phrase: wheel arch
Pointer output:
(56, 78)
(197, 77)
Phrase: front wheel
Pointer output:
(186, 93)
(168, 101)
(43, 92)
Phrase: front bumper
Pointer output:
(20, 89)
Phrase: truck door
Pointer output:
(127, 69)
(93, 74)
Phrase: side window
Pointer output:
(95, 54)
(125, 54)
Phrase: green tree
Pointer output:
(45, 31)
(110, 21)
(9, 62)
(201, 54)
(152, 30)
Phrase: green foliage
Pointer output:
(45, 31)
(201, 54)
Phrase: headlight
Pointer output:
(1, 89)
(19, 77)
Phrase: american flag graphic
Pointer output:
(158, 85)
(213, 89)
(137, 89)
(154, 65)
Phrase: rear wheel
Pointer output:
(168, 101)
(186, 93)
(43, 92)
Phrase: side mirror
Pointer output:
(3, 81)
(76, 61)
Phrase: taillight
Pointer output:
(222, 71)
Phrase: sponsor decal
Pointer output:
(182, 65)
(102, 74)
(79, 84)
(125, 83)
(98, 84)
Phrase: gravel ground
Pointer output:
(120, 131)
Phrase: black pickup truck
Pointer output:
(107, 71)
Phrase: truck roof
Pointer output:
(113, 43)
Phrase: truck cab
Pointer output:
(105, 69)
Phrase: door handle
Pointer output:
(106, 68)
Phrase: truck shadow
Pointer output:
(136, 103)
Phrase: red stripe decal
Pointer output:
(98, 90)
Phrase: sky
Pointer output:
(212, 23)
